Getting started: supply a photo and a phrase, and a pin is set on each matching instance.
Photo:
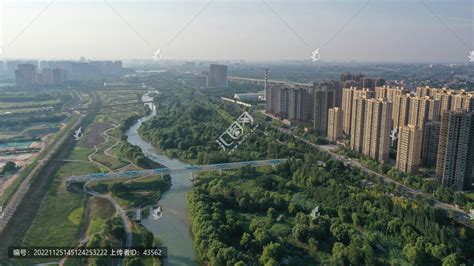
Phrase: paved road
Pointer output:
(459, 214)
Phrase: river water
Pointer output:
(173, 227)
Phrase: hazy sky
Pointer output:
(385, 30)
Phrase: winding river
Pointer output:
(173, 227)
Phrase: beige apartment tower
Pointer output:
(358, 124)
(348, 96)
(389, 93)
(378, 124)
(463, 102)
(426, 91)
(446, 98)
(335, 124)
(409, 149)
(422, 110)
(401, 110)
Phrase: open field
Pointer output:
(63, 217)
(100, 210)
(60, 213)
(94, 137)
(41, 179)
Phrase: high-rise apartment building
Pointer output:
(446, 98)
(372, 83)
(401, 110)
(323, 95)
(276, 101)
(422, 110)
(335, 124)
(298, 105)
(378, 124)
(430, 143)
(26, 75)
(434, 110)
(218, 76)
(348, 96)
(455, 162)
(360, 81)
(463, 101)
(426, 91)
(282, 103)
(288, 103)
(389, 93)
(200, 81)
(409, 149)
(270, 99)
(358, 124)
(59, 76)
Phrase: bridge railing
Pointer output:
(164, 171)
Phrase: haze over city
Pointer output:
(244, 133)
(253, 30)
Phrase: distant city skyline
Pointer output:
(253, 30)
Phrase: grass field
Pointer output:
(99, 211)
(60, 213)
(75, 216)
(110, 162)
(80, 154)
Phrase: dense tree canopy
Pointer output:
(265, 216)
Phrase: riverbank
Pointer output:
(173, 227)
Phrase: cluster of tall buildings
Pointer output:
(216, 77)
(27, 75)
(419, 125)
(311, 102)
(432, 127)
(428, 124)
(41, 73)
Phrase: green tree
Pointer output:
(271, 252)
(134, 262)
(414, 254)
(9, 167)
(452, 260)
(271, 214)
(246, 240)
(261, 236)
(338, 254)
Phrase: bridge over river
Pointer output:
(165, 171)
